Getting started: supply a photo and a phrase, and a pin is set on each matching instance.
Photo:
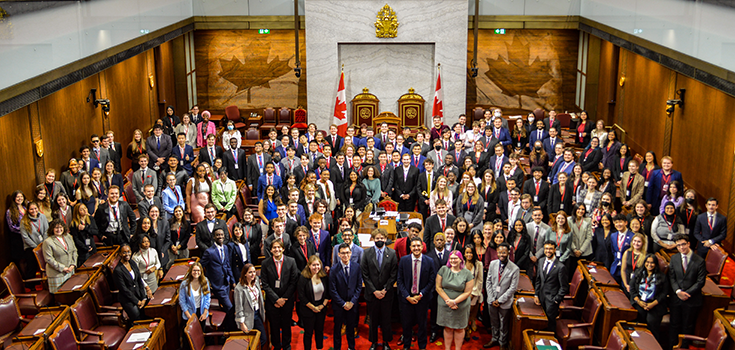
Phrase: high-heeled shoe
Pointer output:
(474, 326)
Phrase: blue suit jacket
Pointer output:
(534, 137)
(491, 165)
(554, 174)
(655, 184)
(93, 163)
(323, 248)
(617, 253)
(549, 148)
(263, 183)
(420, 163)
(504, 136)
(218, 271)
(282, 151)
(188, 152)
(426, 278)
(363, 142)
(702, 231)
(343, 290)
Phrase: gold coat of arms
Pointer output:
(386, 26)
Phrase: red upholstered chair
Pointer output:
(715, 262)
(40, 259)
(714, 341)
(564, 119)
(300, 119)
(233, 113)
(251, 134)
(128, 176)
(615, 342)
(129, 194)
(105, 298)
(269, 121)
(195, 336)
(63, 338)
(478, 113)
(388, 204)
(231, 224)
(525, 285)
(90, 323)
(239, 207)
(28, 303)
(12, 323)
(574, 287)
(575, 332)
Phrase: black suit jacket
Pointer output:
(306, 293)
(592, 161)
(102, 215)
(289, 279)
(379, 277)
(116, 156)
(229, 161)
(433, 225)
(144, 206)
(408, 186)
(423, 183)
(131, 289)
(554, 201)
(439, 262)
(252, 170)
(336, 144)
(529, 187)
(702, 231)
(552, 286)
(205, 237)
(205, 157)
(386, 178)
(482, 163)
(297, 253)
(691, 282)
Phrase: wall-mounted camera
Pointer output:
(105, 103)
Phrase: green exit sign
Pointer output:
(500, 31)
(264, 31)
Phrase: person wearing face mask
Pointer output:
(230, 133)
(688, 212)
(438, 153)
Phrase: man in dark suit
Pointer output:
(206, 227)
(97, 152)
(211, 152)
(285, 144)
(379, 273)
(112, 155)
(687, 276)
(149, 200)
(440, 254)
(505, 197)
(216, 263)
(437, 223)
(87, 163)
(659, 181)
(333, 138)
(115, 219)
(345, 285)
(497, 160)
(184, 153)
(501, 133)
(278, 278)
(710, 229)
(321, 239)
(458, 152)
(196, 118)
(268, 179)
(551, 284)
(417, 159)
(415, 292)
(158, 147)
(537, 134)
(551, 141)
(338, 172)
(386, 174)
(302, 169)
(256, 166)
(234, 161)
(115, 148)
(537, 188)
(427, 183)
(551, 121)
(405, 179)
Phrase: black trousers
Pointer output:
(380, 311)
(134, 312)
(411, 315)
(280, 321)
(313, 325)
(683, 316)
(552, 311)
(652, 319)
(347, 318)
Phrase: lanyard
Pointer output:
(37, 226)
(248, 230)
(253, 293)
(621, 243)
(469, 202)
(558, 240)
(61, 239)
(303, 248)
(146, 261)
(178, 232)
(632, 256)
(669, 225)
(562, 191)
(630, 180)
(665, 178)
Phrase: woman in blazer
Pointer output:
(146, 259)
(601, 240)
(520, 243)
(194, 294)
(607, 182)
(249, 306)
(538, 157)
(471, 206)
(133, 291)
(61, 209)
(180, 232)
(189, 129)
(631, 186)
(561, 196)
(584, 129)
(581, 227)
(110, 177)
(479, 157)
(160, 234)
(590, 196)
(313, 291)
(610, 149)
(304, 249)
(621, 161)
(33, 227)
(83, 229)
(640, 213)
(560, 234)
(204, 129)
(649, 288)
(591, 156)
(239, 249)
(253, 233)
(60, 254)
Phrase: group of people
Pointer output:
(486, 218)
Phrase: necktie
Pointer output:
(270, 180)
(535, 240)
(711, 222)
(443, 221)
(379, 253)
(684, 263)
(500, 271)
(415, 285)
(428, 183)
(539, 135)
(547, 268)
(158, 141)
(347, 271)
(221, 253)
(441, 254)
(211, 155)
(316, 238)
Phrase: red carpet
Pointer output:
(361, 341)
(728, 275)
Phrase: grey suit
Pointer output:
(581, 236)
(438, 159)
(155, 151)
(141, 179)
(103, 158)
(595, 199)
(527, 217)
(144, 206)
(501, 289)
(244, 310)
(544, 229)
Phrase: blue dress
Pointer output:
(270, 210)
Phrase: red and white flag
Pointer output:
(438, 109)
(340, 108)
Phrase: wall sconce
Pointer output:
(151, 81)
(39, 147)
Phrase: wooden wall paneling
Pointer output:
(156, 110)
(165, 76)
(17, 151)
(593, 77)
(179, 75)
(702, 142)
(608, 77)
(34, 121)
(641, 102)
(67, 121)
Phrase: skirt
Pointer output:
(55, 282)
(197, 206)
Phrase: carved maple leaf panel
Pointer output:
(525, 69)
(248, 69)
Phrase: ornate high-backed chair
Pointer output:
(411, 109)
(365, 107)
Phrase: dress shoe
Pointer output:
(374, 347)
(400, 341)
(386, 347)
(433, 337)
(300, 324)
(490, 344)
(293, 323)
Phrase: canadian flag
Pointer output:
(438, 109)
(340, 107)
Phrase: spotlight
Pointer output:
(105, 105)
(297, 71)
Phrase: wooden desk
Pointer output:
(178, 270)
(525, 285)
(596, 274)
(104, 256)
(389, 227)
(31, 344)
(242, 342)
(643, 338)
(714, 298)
(615, 307)
(530, 337)
(727, 317)
(165, 305)
(155, 341)
(44, 323)
(526, 315)
(75, 287)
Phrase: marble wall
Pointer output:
(430, 32)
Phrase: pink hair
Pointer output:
(459, 255)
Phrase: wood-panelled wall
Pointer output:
(699, 136)
(65, 121)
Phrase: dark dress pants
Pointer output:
(280, 321)
(411, 315)
(380, 312)
(349, 319)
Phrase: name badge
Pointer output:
(669, 237)
(619, 256)
(645, 184)
(177, 243)
(558, 253)
(665, 188)
(535, 198)
(497, 289)
(261, 171)
(278, 283)
(561, 206)
(518, 145)
(486, 204)
(87, 242)
(627, 193)
(114, 225)
(351, 200)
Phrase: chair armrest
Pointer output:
(571, 307)
(591, 347)
(568, 297)
(683, 337)
(103, 314)
(101, 344)
(25, 320)
(20, 338)
(107, 307)
(86, 331)
(215, 334)
(579, 325)
(37, 279)
(227, 334)
(26, 295)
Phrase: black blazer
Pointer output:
(592, 161)
(423, 183)
(289, 278)
(131, 289)
(379, 278)
(439, 262)
(162, 242)
(205, 238)
(116, 155)
(433, 225)
(336, 176)
(618, 170)
(702, 231)
(551, 287)
(236, 263)
(102, 215)
(255, 240)
(204, 154)
(182, 235)
(482, 163)
(691, 282)
(359, 195)
(491, 202)
(554, 202)
(386, 178)
(229, 161)
(251, 169)
(80, 237)
(588, 127)
(297, 253)
(306, 293)
(529, 187)
(408, 186)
